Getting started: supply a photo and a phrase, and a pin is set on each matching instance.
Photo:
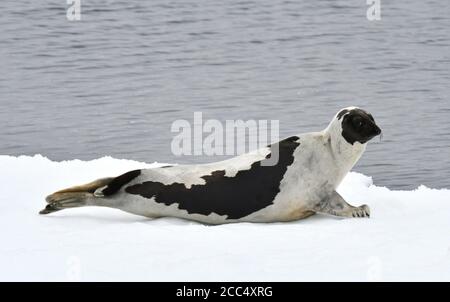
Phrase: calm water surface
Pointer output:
(113, 83)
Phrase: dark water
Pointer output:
(113, 83)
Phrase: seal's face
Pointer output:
(358, 125)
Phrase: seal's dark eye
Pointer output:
(358, 122)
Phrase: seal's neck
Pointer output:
(346, 155)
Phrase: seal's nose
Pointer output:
(377, 130)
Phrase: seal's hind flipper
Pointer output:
(60, 201)
(92, 193)
(73, 197)
(89, 187)
(336, 205)
(50, 208)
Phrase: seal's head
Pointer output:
(348, 134)
(357, 125)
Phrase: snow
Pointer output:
(406, 239)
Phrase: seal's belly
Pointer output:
(216, 211)
(298, 214)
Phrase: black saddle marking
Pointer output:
(118, 182)
(238, 196)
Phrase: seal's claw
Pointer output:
(366, 210)
(362, 211)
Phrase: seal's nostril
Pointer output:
(377, 130)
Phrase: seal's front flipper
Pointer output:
(361, 211)
(336, 205)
